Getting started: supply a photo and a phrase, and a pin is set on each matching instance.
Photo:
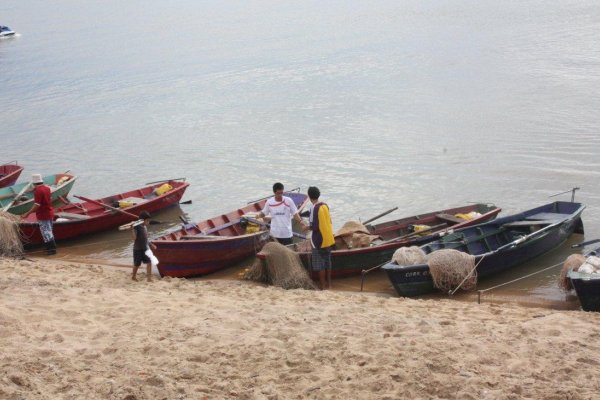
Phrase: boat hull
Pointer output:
(494, 254)
(9, 173)
(191, 252)
(587, 287)
(201, 257)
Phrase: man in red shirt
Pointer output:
(44, 212)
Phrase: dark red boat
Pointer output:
(213, 244)
(92, 216)
(9, 173)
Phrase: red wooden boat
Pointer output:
(92, 216)
(213, 244)
(9, 173)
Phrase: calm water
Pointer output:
(416, 104)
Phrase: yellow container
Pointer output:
(125, 203)
(162, 189)
(252, 228)
(421, 228)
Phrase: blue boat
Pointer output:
(497, 245)
(587, 286)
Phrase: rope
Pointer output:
(451, 293)
(518, 279)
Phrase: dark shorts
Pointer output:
(140, 257)
(285, 241)
(321, 259)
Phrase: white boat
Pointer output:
(6, 31)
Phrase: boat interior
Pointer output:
(489, 237)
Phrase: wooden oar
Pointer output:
(414, 233)
(380, 215)
(9, 205)
(166, 180)
(108, 207)
(296, 189)
(585, 243)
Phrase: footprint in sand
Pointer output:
(58, 338)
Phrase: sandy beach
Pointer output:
(74, 331)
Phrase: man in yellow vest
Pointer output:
(322, 236)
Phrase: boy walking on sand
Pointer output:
(140, 245)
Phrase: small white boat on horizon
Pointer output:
(5, 31)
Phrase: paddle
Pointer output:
(166, 180)
(188, 225)
(107, 206)
(526, 237)
(585, 243)
(380, 215)
(152, 222)
(414, 233)
(297, 189)
(9, 205)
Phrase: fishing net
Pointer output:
(351, 227)
(449, 268)
(353, 235)
(10, 236)
(282, 267)
(303, 247)
(409, 256)
(574, 261)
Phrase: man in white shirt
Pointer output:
(281, 209)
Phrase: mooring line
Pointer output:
(479, 292)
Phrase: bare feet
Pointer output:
(133, 278)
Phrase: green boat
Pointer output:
(19, 198)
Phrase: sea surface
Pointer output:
(417, 104)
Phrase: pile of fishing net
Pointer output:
(282, 267)
(578, 263)
(10, 236)
(448, 268)
(412, 255)
(353, 235)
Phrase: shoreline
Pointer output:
(73, 331)
(378, 285)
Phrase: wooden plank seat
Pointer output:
(526, 223)
(450, 218)
(76, 217)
